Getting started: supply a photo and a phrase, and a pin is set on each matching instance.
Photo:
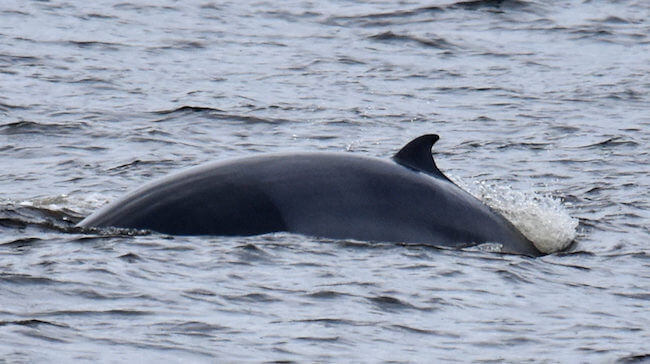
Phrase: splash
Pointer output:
(543, 219)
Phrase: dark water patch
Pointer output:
(20, 243)
(89, 148)
(323, 137)
(426, 13)
(577, 99)
(163, 141)
(612, 19)
(100, 271)
(633, 359)
(627, 95)
(611, 329)
(284, 107)
(130, 257)
(476, 144)
(553, 176)
(5, 70)
(51, 5)
(390, 304)
(511, 276)
(414, 330)
(95, 16)
(98, 313)
(42, 336)
(91, 81)
(200, 292)
(214, 114)
(94, 295)
(350, 61)
(307, 264)
(33, 323)
(639, 255)
(252, 297)
(591, 32)
(611, 142)
(138, 164)
(385, 18)
(638, 296)
(326, 294)
(389, 36)
(14, 12)
(464, 89)
(517, 96)
(21, 279)
(418, 266)
(91, 44)
(330, 322)
(526, 146)
(191, 328)
(252, 253)
(595, 224)
(318, 339)
(182, 45)
(247, 119)
(211, 6)
(449, 273)
(565, 128)
(353, 283)
(47, 263)
(281, 351)
(148, 9)
(12, 59)
(155, 130)
(33, 127)
(501, 5)
(305, 67)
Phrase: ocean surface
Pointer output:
(543, 109)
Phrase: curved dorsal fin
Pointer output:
(417, 155)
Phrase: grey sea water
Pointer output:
(545, 102)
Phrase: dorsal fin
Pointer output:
(417, 155)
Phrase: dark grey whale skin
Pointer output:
(405, 199)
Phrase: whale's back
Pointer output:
(331, 195)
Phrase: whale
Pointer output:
(403, 199)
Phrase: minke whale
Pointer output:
(405, 199)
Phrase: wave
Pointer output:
(215, 114)
(439, 43)
(427, 12)
(42, 218)
(33, 127)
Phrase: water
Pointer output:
(538, 104)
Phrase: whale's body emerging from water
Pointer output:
(335, 195)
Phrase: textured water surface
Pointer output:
(542, 109)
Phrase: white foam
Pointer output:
(55, 203)
(87, 202)
(543, 219)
